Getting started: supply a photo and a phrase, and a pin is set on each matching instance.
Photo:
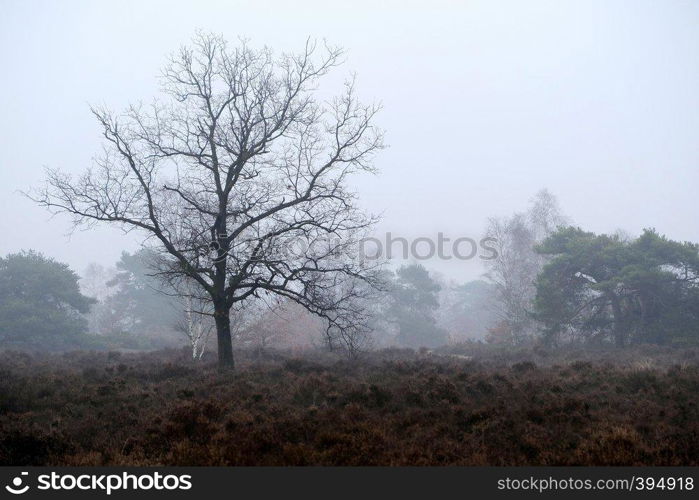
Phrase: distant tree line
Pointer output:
(242, 159)
(553, 283)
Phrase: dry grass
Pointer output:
(395, 407)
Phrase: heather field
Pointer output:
(471, 405)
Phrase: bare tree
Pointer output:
(239, 178)
(94, 281)
(196, 326)
(280, 323)
(517, 266)
(513, 273)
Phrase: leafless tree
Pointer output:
(239, 177)
(279, 323)
(517, 266)
(196, 326)
(94, 281)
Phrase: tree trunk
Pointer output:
(619, 325)
(223, 335)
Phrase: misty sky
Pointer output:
(484, 104)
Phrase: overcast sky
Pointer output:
(484, 104)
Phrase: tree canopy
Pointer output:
(610, 288)
(40, 303)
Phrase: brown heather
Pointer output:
(394, 407)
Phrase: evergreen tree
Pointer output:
(41, 305)
(414, 302)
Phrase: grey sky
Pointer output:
(484, 104)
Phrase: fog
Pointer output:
(484, 104)
(527, 171)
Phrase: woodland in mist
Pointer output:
(247, 330)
